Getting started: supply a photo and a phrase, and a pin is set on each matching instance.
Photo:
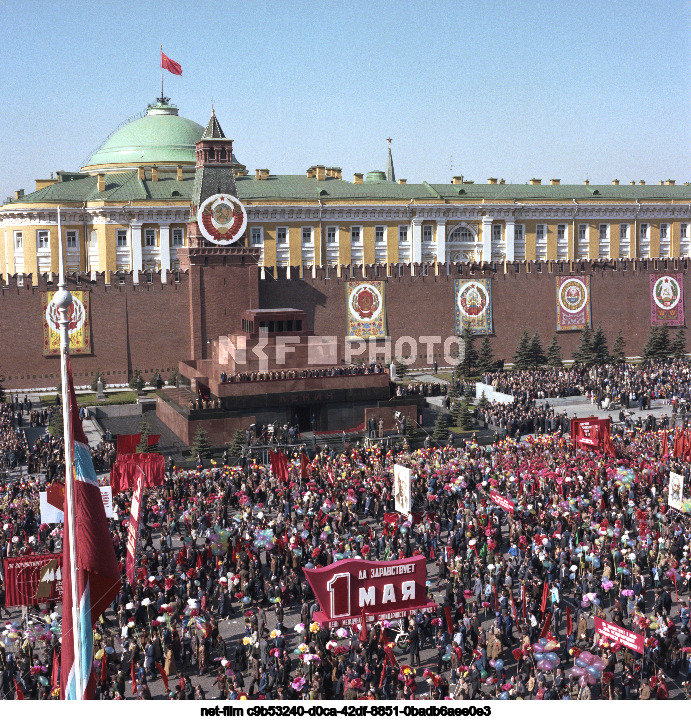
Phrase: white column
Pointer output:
(165, 249)
(487, 239)
(510, 239)
(416, 248)
(441, 241)
(136, 240)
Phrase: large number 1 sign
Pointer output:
(339, 589)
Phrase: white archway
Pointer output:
(462, 244)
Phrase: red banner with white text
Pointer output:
(626, 638)
(33, 579)
(379, 589)
(592, 434)
(133, 528)
(502, 502)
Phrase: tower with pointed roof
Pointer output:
(390, 173)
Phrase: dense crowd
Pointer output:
(281, 375)
(590, 536)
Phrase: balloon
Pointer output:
(538, 647)
(594, 671)
(553, 658)
(600, 663)
(499, 664)
(483, 673)
(550, 645)
(581, 663)
(44, 681)
(538, 656)
(504, 695)
(492, 663)
(590, 679)
(98, 654)
(588, 657)
(577, 672)
(583, 681)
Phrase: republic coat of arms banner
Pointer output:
(473, 305)
(79, 328)
(573, 302)
(667, 299)
(366, 309)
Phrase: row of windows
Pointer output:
(72, 238)
(176, 238)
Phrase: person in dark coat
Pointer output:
(414, 648)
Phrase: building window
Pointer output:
(644, 231)
(684, 230)
(72, 239)
(603, 231)
(664, 240)
(177, 237)
(380, 244)
(150, 237)
(356, 244)
(582, 232)
(624, 242)
(307, 246)
(18, 239)
(603, 238)
(42, 239)
(403, 245)
(663, 231)
(256, 236)
(427, 234)
(281, 236)
(518, 233)
(306, 235)
(331, 245)
(540, 233)
(623, 231)
(122, 238)
(496, 233)
(684, 248)
(561, 232)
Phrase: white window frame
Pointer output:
(42, 240)
(519, 241)
(427, 234)
(683, 231)
(684, 246)
(19, 240)
(583, 242)
(256, 236)
(562, 241)
(603, 247)
(380, 249)
(624, 239)
(561, 232)
(332, 249)
(121, 234)
(149, 233)
(357, 247)
(71, 239)
(541, 241)
(307, 244)
(175, 234)
(496, 233)
(282, 236)
(665, 244)
(644, 240)
(404, 244)
(664, 231)
(644, 231)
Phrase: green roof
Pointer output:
(126, 186)
(161, 136)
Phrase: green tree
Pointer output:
(678, 346)
(536, 356)
(401, 369)
(200, 444)
(235, 446)
(554, 353)
(173, 379)
(135, 379)
(440, 433)
(618, 355)
(482, 401)
(658, 346)
(412, 430)
(521, 358)
(463, 417)
(485, 357)
(143, 445)
(584, 352)
(600, 352)
(468, 355)
(55, 425)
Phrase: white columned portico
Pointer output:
(486, 239)
(164, 229)
(441, 241)
(510, 238)
(416, 254)
(137, 266)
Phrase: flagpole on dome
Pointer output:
(63, 301)
(161, 64)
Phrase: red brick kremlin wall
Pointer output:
(147, 326)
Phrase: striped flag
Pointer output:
(98, 577)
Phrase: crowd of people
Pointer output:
(282, 375)
(220, 606)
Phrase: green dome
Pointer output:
(375, 176)
(160, 137)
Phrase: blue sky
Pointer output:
(513, 90)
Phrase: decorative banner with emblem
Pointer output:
(473, 305)
(366, 309)
(573, 302)
(33, 579)
(79, 328)
(667, 299)
(222, 219)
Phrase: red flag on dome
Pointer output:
(170, 65)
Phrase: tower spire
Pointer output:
(390, 173)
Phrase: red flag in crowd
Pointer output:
(678, 447)
(164, 675)
(133, 675)
(330, 474)
(545, 590)
(104, 669)
(20, 695)
(569, 622)
(55, 672)
(170, 65)
(98, 575)
(304, 462)
(665, 447)
(515, 614)
(128, 444)
(449, 622)
(363, 628)
(545, 625)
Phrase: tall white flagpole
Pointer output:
(63, 301)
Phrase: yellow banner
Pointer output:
(79, 328)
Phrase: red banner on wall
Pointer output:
(627, 638)
(133, 528)
(381, 590)
(33, 579)
(502, 502)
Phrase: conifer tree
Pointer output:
(618, 355)
(440, 432)
(468, 362)
(678, 345)
(536, 356)
(521, 358)
(200, 445)
(485, 358)
(554, 353)
(235, 446)
(584, 352)
(599, 350)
